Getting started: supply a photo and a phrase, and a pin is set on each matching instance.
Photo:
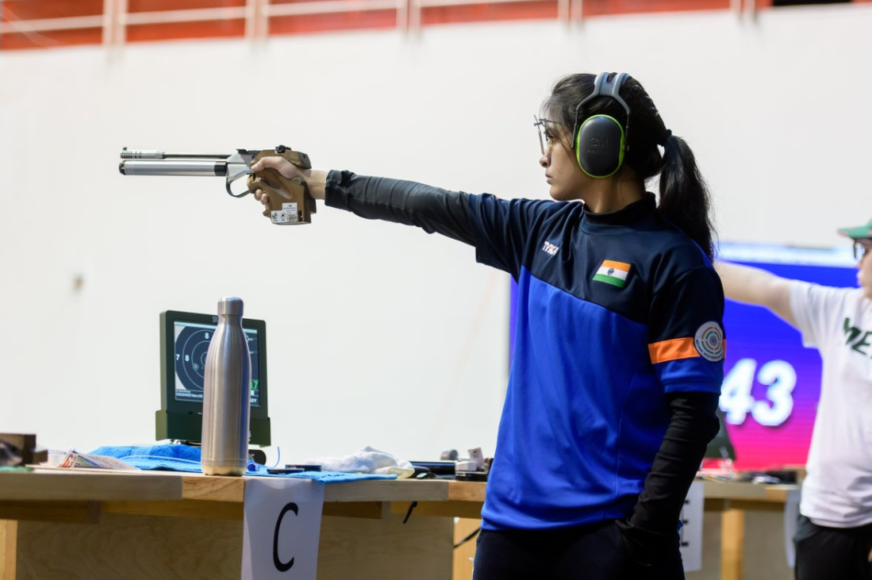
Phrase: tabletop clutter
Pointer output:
(366, 463)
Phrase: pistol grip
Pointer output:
(289, 200)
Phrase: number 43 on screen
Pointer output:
(737, 400)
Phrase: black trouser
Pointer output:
(832, 553)
(594, 552)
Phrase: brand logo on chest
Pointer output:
(550, 248)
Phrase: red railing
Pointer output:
(55, 23)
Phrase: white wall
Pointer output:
(378, 334)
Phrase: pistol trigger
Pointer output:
(232, 178)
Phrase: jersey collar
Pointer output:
(627, 215)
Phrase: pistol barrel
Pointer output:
(170, 167)
(154, 154)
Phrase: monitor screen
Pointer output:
(772, 382)
(184, 344)
(189, 353)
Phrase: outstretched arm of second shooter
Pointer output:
(755, 286)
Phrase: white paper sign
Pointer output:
(281, 529)
(691, 532)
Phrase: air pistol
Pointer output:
(289, 200)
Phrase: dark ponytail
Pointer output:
(684, 196)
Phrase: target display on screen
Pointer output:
(184, 345)
(191, 346)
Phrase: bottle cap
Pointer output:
(230, 306)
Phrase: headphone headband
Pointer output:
(603, 87)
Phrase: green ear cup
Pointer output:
(599, 146)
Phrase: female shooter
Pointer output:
(618, 358)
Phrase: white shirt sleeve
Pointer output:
(816, 310)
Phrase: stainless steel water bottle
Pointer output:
(227, 394)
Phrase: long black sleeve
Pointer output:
(693, 423)
(432, 209)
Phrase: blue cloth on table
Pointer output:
(167, 457)
(187, 459)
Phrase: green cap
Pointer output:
(858, 231)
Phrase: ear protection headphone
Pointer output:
(601, 140)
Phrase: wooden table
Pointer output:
(76, 524)
(734, 500)
(80, 524)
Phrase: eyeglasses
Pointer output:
(546, 130)
(861, 248)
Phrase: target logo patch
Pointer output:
(709, 342)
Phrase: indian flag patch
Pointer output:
(614, 273)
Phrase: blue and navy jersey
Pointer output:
(615, 312)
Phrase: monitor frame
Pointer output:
(183, 420)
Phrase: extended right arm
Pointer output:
(432, 209)
(755, 286)
(498, 229)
